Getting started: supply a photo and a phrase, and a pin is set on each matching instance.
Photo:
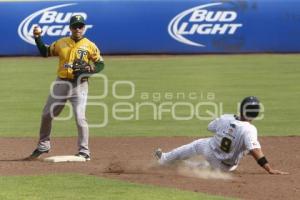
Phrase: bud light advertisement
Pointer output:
(157, 27)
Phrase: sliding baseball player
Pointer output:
(233, 138)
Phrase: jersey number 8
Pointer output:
(225, 144)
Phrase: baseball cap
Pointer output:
(77, 19)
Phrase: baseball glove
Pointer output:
(79, 67)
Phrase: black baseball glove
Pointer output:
(80, 67)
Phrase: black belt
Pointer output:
(84, 79)
(224, 163)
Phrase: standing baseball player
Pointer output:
(79, 58)
(234, 137)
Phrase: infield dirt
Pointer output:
(131, 159)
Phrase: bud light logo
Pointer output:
(191, 25)
(52, 22)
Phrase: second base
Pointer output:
(66, 158)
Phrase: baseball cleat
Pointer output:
(36, 154)
(83, 155)
(158, 153)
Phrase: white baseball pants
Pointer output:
(197, 147)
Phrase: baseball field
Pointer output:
(140, 103)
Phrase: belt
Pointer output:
(226, 164)
(84, 79)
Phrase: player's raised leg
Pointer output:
(197, 147)
(180, 153)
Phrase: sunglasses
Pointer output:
(77, 26)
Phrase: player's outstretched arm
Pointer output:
(262, 161)
(44, 50)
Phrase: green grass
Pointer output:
(25, 82)
(75, 187)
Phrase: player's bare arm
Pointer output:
(262, 161)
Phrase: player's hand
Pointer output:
(89, 68)
(37, 31)
(277, 172)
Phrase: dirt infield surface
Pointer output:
(131, 159)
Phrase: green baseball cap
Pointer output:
(77, 19)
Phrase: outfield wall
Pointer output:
(158, 26)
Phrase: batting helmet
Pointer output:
(250, 107)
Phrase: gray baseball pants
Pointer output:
(61, 91)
